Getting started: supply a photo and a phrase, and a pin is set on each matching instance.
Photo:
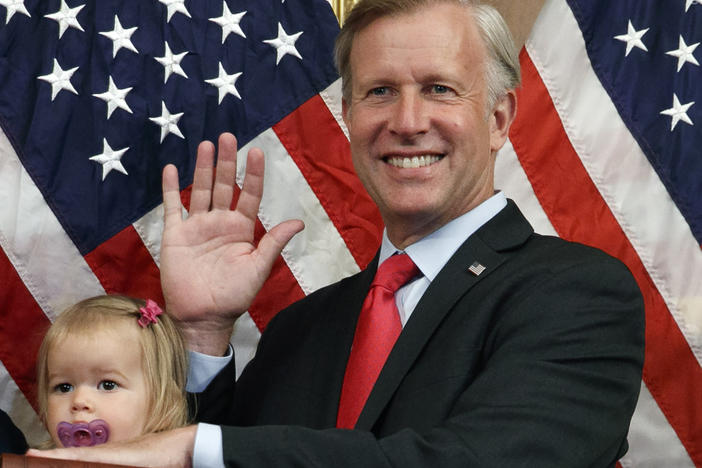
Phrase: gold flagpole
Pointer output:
(342, 8)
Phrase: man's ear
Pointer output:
(501, 118)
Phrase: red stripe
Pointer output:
(320, 149)
(123, 265)
(22, 328)
(578, 212)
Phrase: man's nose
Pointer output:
(409, 115)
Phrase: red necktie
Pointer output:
(376, 332)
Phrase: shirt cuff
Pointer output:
(203, 368)
(208, 451)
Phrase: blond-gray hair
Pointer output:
(502, 68)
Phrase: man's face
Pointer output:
(422, 138)
(98, 377)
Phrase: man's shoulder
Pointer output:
(511, 233)
(567, 253)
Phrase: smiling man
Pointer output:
(480, 343)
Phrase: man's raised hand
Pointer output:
(211, 270)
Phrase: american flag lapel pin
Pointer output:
(476, 268)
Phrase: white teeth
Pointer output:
(413, 162)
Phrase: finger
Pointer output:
(273, 242)
(202, 179)
(225, 176)
(58, 454)
(252, 190)
(172, 207)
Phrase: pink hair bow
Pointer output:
(149, 313)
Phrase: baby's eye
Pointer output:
(63, 388)
(108, 385)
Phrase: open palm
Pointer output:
(211, 270)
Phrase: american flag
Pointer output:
(600, 153)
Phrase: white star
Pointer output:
(684, 53)
(110, 159)
(225, 83)
(115, 97)
(14, 6)
(120, 37)
(690, 2)
(633, 38)
(171, 63)
(168, 122)
(59, 79)
(284, 44)
(678, 112)
(229, 22)
(175, 6)
(66, 17)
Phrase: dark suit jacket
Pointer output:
(11, 439)
(535, 362)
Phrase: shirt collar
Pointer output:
(432, 252)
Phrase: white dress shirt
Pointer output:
(430, 254)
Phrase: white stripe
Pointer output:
(332, 98)
(46, 260)
(652, 442)
(318, 255)
(13, 402)
(619, 169)
(244, 340)
(150, 229)
(512, 180)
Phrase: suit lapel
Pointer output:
(506, 230)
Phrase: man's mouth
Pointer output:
(411, 162)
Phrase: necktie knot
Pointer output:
(395, 272)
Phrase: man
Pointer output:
(515, 350)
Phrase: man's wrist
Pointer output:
(213, 341)
(203, 368)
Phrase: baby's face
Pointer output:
(100, 376)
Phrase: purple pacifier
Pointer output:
(83, 434)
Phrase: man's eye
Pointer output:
(108, 385)
(380, 91)
(439, 89)
(63, 388)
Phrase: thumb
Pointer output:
(273, 242)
